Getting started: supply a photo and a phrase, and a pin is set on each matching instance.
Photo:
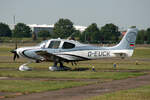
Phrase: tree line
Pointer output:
(63, 28)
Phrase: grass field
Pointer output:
(104, 71)
(34, 86)
(70, 75)
(141, 93)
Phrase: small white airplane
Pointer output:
(61, 50)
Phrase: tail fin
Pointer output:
(128, 41)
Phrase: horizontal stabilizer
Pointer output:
(121, 55)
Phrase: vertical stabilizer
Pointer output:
(129, 39)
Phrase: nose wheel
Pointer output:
(24, 67)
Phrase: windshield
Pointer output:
(42, 43)
(54, 44)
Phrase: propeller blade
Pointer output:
(17, 55)
(14, 52)
(14, 56)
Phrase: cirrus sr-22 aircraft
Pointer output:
(61, 50)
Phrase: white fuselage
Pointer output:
(93, 54)
(78, 53)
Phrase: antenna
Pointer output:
(14, 20)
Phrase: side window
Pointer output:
(68, 45)
(54, 44)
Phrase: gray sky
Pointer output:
(123, 13)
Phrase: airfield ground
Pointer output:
(106, 83)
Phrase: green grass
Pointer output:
(70, 74)
(34, 86)
(142, 53)
(5, 51)
(142, 93)
(19, 40)
(122, 64)
(103, 68)
(126, 65)
(100, 65)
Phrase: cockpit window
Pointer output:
(68, 45)
(54, 44)
(42, 44)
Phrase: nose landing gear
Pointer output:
(24, 67)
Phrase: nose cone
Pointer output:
(19, 51)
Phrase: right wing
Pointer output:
(67, 57)
(49, 56)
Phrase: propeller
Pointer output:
(15, 52)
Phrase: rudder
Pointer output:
(129, 39)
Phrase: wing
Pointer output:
(50, 56)
(66, 57)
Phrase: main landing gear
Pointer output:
(58, 68)
(55, 67)
(61, 67)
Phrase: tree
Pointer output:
(22, 30)
(148, 35)
(141, 37)
(44, 34)
(5, 30)
(91, 34)
(133, 27)
(63, 28)
(110, 32)
(76, 33)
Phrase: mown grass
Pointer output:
(34, 86)
(100, 65)
(142, 53)
(70, 74)
(141, 93)
(5, 51)
(104, 70)
(126, 65)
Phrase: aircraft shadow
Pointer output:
(80, 69)
(75, 69)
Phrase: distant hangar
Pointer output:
(36, 27)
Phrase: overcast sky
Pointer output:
(123, 13)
